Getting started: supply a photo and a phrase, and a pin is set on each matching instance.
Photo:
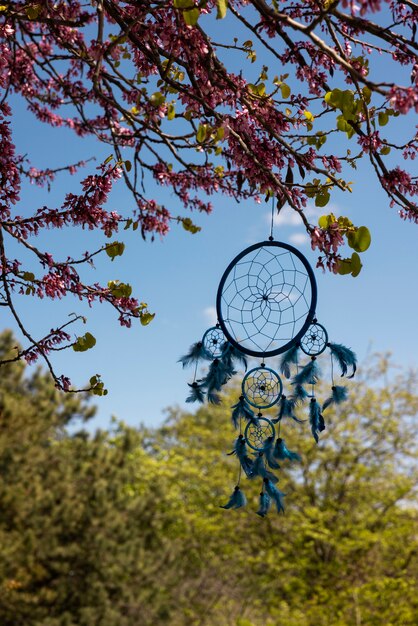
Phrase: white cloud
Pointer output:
(290, 217)
(210, 315)
(299, 239)
(286, 217)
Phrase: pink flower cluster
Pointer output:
(9, 174)
(370, 143)
(328, 242)
(403, 99)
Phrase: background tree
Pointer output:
(160, 82)
(124, 528)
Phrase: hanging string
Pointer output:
(272, 220)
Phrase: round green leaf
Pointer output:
(344, 266)
(360, 240)
(356, 264)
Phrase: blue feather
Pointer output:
(240, 449)
(316, 419)
(196, 394)
(260, 469)
(289, 358)
(308, 375)
(236, 500)
(241, 410)
(265, 503)
(345, 358)
(268, 452)
(339, 394)
(299, 394)
(214, 380)
(286, 409)
(276, 495)
(196, 353)
(282, 452)
(231, 354)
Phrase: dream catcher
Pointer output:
(266, 305)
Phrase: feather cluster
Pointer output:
(308, 375)
(288, 359)
(240, 449)
(260, 469)
(287, 409)
(268, 451)
(339, 394)
(241, 410)
(236, 501)
(264, 504)
(299, 393)
(196, 353)
(282, 452)
(216, 377)
(231, 354)
(344, 357)
(276, 495)
(197, 393)
(316, 419)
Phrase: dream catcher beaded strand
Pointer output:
(266, 303)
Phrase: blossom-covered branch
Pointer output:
(157, 81)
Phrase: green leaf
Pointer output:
(322, 198)
(342, 125)
(222, 6)
(33, 11)
(356, 264)
(86, 342)
(367, 94)
(28, 276)
(171, 111)
(118, 289)
(191, 16)
(201, 133)
(285, 89)
(146, 318)
(128, 166)
(189, 226)
(344, 266)
(360, 239)
(157, 99)
(114, 249)
(324, 221)
(383, 118)
(333, 98)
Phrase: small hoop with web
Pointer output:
(262, 387)
(212, 341)
(258, 432)
(315, 340)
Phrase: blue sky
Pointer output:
(178, 277)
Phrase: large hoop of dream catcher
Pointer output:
(266, 299)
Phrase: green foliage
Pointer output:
(358, 238)
(86, 342)
(222, 7)
(188, 225)
(116, 248)
(124, 528)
